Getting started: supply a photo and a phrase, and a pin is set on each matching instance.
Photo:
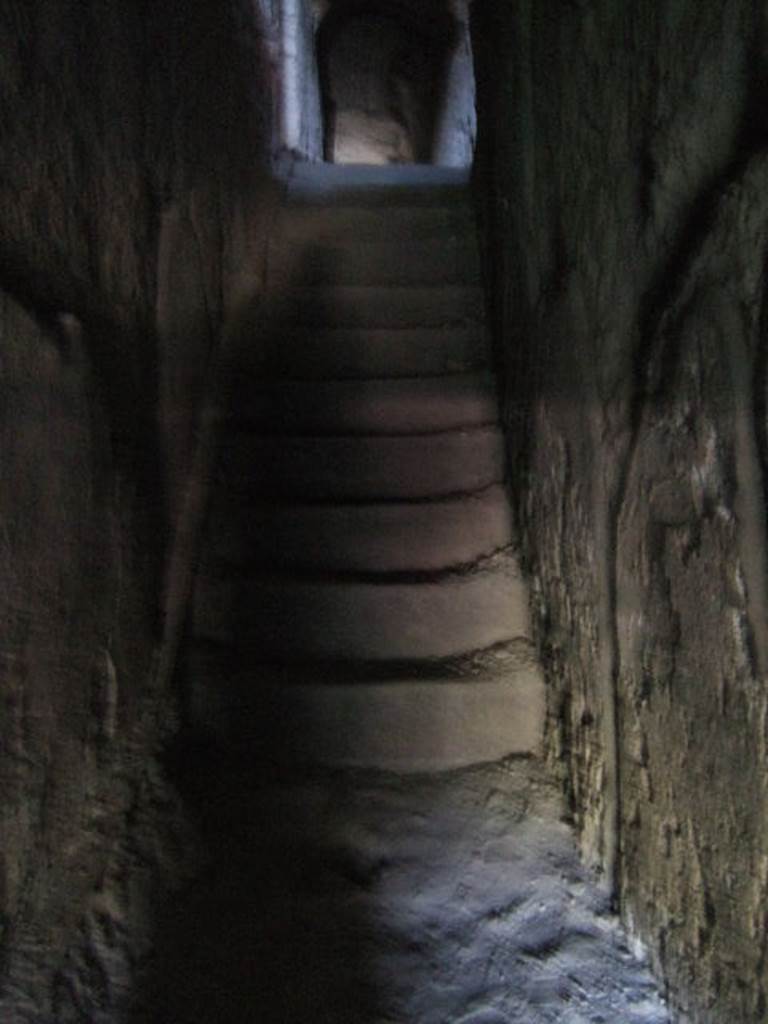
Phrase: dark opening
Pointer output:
(383, 74)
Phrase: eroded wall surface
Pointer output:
(130, 139)
(623, 156)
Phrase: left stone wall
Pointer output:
(133, 205)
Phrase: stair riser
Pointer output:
(335, 179)
(438, 262)
(381, 198)
(421, 537)
(399, 726)
(358, 354)
(379, 307)
(364, 468)
(306, 226)
(291, 621)
(411, 406)
(361, 529)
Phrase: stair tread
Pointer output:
(360, 353)
(245, 665)
(344, 259)
(365, 467)
(411, 405)
(369, 185)
(398, 725)
(296, 620)
(365, 175)
(395, 537)
(306, 225)
(382, 306)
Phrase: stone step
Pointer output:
(390, 538)
(290, 620)
(350, 306)
(404, 184)
(402, 725)
(376, 196)
(359, 353)
(347, 261)
(379, 197)
(382, 468)
(331, 175)
(415, 405)
(308, 225)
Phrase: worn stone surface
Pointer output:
(374, 468)
(358, 353)
(363, 897)
(627, 227)
(372, 307)
(377, 261)
(404, 723)
(286, 618)
(420, 405)
(389, 537)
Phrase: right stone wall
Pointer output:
(623, 175)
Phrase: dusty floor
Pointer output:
(371, 898)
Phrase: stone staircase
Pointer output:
(358, 601)
(358, 607)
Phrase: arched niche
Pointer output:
(396, 81)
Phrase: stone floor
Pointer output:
(363, 897)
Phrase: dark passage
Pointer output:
(383, 76)
(345, 782)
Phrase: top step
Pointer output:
(369, 185)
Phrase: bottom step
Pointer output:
(407, 725)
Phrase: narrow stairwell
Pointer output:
(358, 578)
(386, 845)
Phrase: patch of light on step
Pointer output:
(477, 909)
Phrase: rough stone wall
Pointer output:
(131, 138)
(456, 128)
(292, 24)
(622, 151)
